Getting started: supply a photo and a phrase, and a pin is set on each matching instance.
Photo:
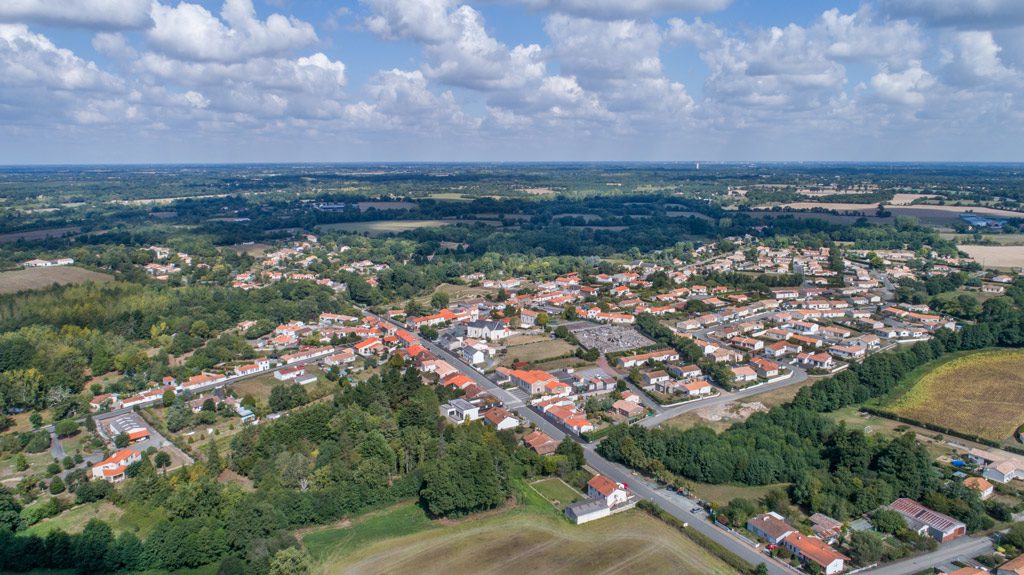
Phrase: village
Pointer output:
(639, 346)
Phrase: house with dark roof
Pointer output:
(925, 521)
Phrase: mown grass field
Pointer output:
(519, 540)
(723, 494)
(558, 492)
(38, 278)
(980, 393)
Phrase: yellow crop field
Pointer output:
(980, 393)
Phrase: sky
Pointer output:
(197, 81)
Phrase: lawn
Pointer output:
(980, 393)
(723, 494)
(383, 227)
(259, 387)
(556, 491)
(524, 540)
(38, 278)
(1001, 239)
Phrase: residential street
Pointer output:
(963, 548)
(678, 506)
(798, 375)
(617, 472)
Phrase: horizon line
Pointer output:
(513, 162)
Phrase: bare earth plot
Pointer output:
(979, 393)
(629, 542)
(721, 417)
(38, 278)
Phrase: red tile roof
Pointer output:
(603, 485)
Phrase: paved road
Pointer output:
(963, 548)
(669, 502)
(798, 375)
(55, 446)
(679, 507)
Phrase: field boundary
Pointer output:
(731, 559)
(941, 429)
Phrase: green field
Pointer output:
(394, 522)
(558, 492)
(723, 494)
(979, 393)
(73, 520)
(135, 518)
(520, 540)
(537, 351)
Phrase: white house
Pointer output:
(459, 410)
(499, 418)
(113, 468)
(612, 493)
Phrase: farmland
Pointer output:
(37, 278)
(383, 227)
(521, 539)
(1001, 239)
(996, 256)
(980, 393)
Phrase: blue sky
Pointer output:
(140, 81)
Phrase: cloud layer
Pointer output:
(651, 79)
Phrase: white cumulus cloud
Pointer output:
(190, 32)
(104, 14)
(907, 87)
